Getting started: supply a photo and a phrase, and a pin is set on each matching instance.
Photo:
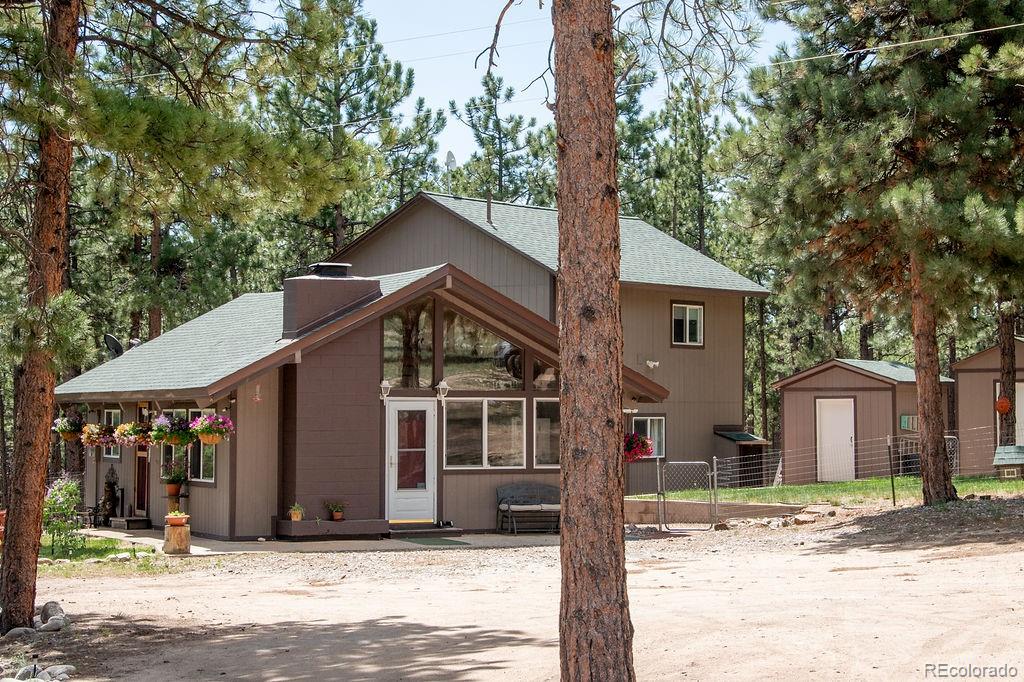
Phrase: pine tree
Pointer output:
(889, 174)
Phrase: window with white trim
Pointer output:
(687, 324)
(112, 418)
(547, 423)
(653, 428)
(485, 433)
(202, 465)
(169, 453)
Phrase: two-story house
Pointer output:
(412, 383)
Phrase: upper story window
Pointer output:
(409, 345)
(688, 324)
(477, 359)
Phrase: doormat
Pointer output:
(434, 542)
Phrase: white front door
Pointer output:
(835, 428)
(411, 460)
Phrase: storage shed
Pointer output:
(838, 415)
(977, 387)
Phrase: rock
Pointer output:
(62, 561)
(20, 633)
(786, 523)
(971, 496)
(44, 561)
(93, 560)
(55, 624)
(261, 539)
(721, 525)
(985, 497)
(804, 519)
(120, 557)
(57, 670)
(31, 672)
(8, 679)
(49, 610)
(831, 512)
(36, 622)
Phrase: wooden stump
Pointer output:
(177, 539)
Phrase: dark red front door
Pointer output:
(141, 483)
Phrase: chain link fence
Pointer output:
(695, 481)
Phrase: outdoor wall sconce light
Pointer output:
(629, 410)
(652, 364)
(385, 389)
(442, 390)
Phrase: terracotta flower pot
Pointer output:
(295, 515)
(71, 435)
(210, 438)
(337, 516)
(177, 520)
(173, 489)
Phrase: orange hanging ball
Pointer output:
(1003, 405)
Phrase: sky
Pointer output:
(439, 40)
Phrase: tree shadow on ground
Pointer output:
(997, 522)
(386, 648)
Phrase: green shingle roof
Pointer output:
(649, 256)
(896, 371)
(206, 349)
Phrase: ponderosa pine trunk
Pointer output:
(951, 391)
(936, 477)
(1007, 372)
(762, 364)
(46, 268)
(595, 632)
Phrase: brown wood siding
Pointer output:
(988, 359)
(428, 235)
(706, 383)
(337, 424)
(469, 498)
(873, 419)
(976, 416)
(256, 445)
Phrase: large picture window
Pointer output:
(112, 418)
(547, 423)
(484, 433)
(169, 453)
(653, 428)
(476, 358)
(688, 324)
(409, 345)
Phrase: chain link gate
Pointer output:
(697, 481)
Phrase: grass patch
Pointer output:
(865, 491)
(95, 548)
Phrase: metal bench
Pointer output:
(528, 507)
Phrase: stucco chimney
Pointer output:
(324, 294)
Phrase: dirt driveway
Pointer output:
(858, 596)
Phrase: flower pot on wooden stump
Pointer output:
(177, 519)
(173, 489)
(177, 539)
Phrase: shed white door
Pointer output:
(1018, 409)
(412, 460)
(835, 428)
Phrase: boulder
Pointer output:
(120, 557)
(94, 560)
(44, 561)
(56, 670)
(721, 525)
(20, 633)
(49, 610)
(804, 519)
(55, 624)
(32, 672)
(36, 622)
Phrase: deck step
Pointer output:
(423, 530)
(130, 523)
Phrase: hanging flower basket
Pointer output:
(636, 447)
(69, 427)
(212, 428)
(133, 433)
(98, 435)
(171, 431)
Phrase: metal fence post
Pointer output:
(713, 484)
(892, 477)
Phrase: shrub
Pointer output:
(60, 517)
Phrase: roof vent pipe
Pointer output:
(329, 269)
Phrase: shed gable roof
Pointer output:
(887, 371)
(649, 256)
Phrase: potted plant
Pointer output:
(636, 447)
(161, 428)
(296, 511)
(212, 428)
(132, 433)
(337, 510)
(174, 474)
(69, 426)
(100, 435)
(176, 518)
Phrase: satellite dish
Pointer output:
(449, 162)
(113, 346)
